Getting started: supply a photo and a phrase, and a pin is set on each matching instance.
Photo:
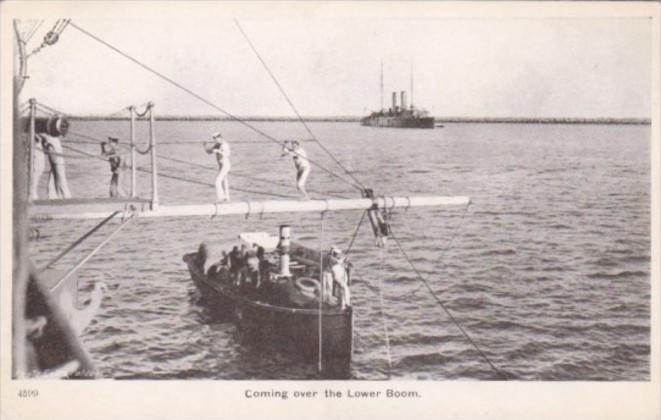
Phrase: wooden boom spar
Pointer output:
(90, 210)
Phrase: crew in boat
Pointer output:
(301, 163)
(252, 268)
(110, 152)
(235, 264)
(336, 274)
(221, 149)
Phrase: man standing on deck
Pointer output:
(222, 151)
(109, 151)
(301, 163)
(336, 274)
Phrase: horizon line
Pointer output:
(353, 118)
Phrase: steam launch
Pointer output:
(399, 116)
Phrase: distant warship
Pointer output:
(399, 116)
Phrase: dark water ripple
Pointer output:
(549, 271)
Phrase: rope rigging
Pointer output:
(51, 36)
(51, 111)
(266, 181)
(34, 30)
(192, 181)
(78, 241)
(204, 100)
(321, 290)
(500, 374)
(75, 268)
(194, 164)
(291, 104)
(355, 233)
(445, 249)
(383, 312)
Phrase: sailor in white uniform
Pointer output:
(301, 163)
(336, 274)
(221, 149)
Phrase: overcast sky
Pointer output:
(462, 67)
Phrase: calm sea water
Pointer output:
(548, 270)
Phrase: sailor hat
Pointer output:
(336, 253)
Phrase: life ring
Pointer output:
(307, 285)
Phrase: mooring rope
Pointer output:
(204, 100)
(445, 249)
(355, 233)
(321, 288)
(498, 372)
(78, 241)
(383, 313)
(293, 107)
(75, 268)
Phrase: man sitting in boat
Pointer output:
(235, 264)
(222, 266)
(336, 274)
(252, 274)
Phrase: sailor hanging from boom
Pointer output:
(380, 226)
(221, 149)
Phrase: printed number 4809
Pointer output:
(28, 393)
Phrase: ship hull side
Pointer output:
(398, 122)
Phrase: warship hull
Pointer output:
(398, 122)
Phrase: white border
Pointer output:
(196, 399)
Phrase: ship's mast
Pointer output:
(382, 85)
(411, 86)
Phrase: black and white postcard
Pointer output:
(330, 210)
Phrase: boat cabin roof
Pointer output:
(263, 239)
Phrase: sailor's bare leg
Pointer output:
(52, 189)
(113, 186)
(226, 187)
(222, 183)
(220, 191)
(58, 168)
(301, 179)
(120, 187)
(327, 286)
(38, 166)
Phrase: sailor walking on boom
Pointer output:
(222, 151)
(109, 150)
(301, 162)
